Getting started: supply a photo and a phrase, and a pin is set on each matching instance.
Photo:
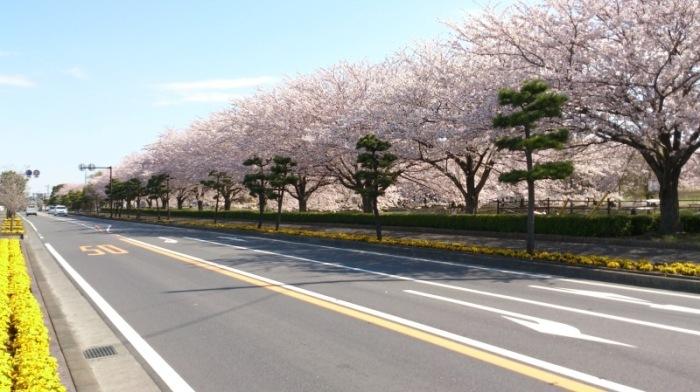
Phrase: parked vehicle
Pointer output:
(61, 210)
(31, 210)
(51, 210)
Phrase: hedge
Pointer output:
(11, 226)
(32, 368)
(569, 225)
(5, 357)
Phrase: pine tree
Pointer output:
(258, 183)
(215, 181)
(281, 175)
(531, 104)
(156, 188)
(376, 172)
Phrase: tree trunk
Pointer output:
(138, 207)
(200, 205)
(157, 210)
(261, 207)
(471, 202)
(149, 202)
(180, 201)
(279, 211)
(216, 207)
(377, 223)
(303, 203)
(302, 197)
(530, 246)
(668, 197)
(366, 204)
(227, 202)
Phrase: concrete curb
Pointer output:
(674, 283)
(37, 281)
(79, 326)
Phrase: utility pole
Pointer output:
(92, 167)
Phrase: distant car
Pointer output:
(31, 210)
(51, 210)
(61, 210)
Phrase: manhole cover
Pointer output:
(99, 352)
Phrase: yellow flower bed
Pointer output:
(5, 357)
(11, 226)
(32, 368)
(685, 268)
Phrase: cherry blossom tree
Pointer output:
(630, 67)
(12, 192)
(441, 108)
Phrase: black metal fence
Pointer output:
(583, 206)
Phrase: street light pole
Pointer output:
(111, 200)
(92, 167)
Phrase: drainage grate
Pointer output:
(99, 352)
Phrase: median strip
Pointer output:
(553, 374)
(675, 268)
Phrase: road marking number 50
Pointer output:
(100, 250)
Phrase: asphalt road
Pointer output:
(244, 312)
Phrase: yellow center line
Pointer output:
(517, 367)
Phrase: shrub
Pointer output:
(11, 226)
(5, 357)
(690, 223)
(569, 225)
(34, 369)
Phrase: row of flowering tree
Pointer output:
(630, 71)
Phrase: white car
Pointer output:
(31, 210)
(60, 210)
(51, 210)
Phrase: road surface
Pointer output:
(228, 312)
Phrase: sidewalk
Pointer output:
(616, 247)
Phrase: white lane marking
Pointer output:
(76, 222)
(590, 379)
(632, 288)
(157, 363)
(232, 238)
(538, 324)
(33, 227)
(369, 252)
(109, 227)
(619, 298)
(505, 271)
(168, 240)
(473, 291)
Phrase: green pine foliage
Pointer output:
(281, 176)
(376, 172)
(531, 104)
(258, 183)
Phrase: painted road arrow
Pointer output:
(620, 298)
(535, 323)
(168, 240)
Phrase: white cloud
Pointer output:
(210, 97)
(217, 84)
(211, 90)
(16, 81)
(198, 97)
(76, 72)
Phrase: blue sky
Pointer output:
(92, 81)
